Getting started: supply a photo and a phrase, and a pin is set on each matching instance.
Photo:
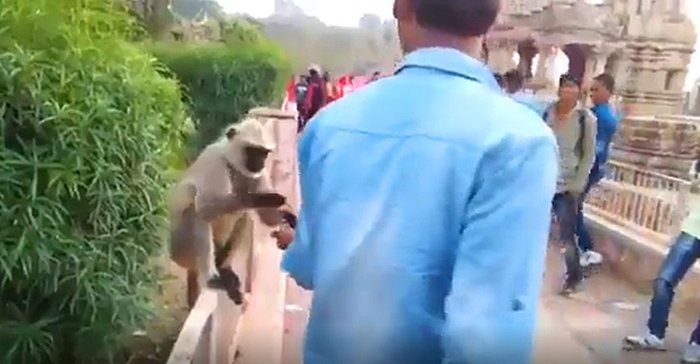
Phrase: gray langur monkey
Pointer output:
(224, 182)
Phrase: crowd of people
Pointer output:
(314, 90)
(428, 196)
(567, 206)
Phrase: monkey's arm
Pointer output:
(211, 208)
(271, 217)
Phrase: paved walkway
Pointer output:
(595, 320)
(587, 327)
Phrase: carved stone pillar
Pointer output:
(673, 8)
(588, 71)
(544, 52)
(600, 63)
(501, 56)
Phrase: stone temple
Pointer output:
(645, 44)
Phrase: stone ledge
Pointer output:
(637, 259)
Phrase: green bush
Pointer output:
(88, 130)
(222, 81)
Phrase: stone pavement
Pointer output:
(587, 327)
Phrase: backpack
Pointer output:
(314, 97)
(301, 93)
(581, 124)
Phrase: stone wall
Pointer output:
(665, 144)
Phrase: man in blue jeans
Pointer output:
(680, 259)
(601, 91)
(574, 127)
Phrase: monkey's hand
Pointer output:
(262, 200)
(227, 280)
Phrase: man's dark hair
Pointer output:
(466, 18)
(607, 81)
(514, 80)
(567, 77)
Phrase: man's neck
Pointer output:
(564, 107)
(470, 46)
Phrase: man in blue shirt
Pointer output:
(601, 90)
(425, 206)
(514, 87)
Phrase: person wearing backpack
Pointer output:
(574, 127)
(514, 82)
(316, 95)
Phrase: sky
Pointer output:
(347, 13)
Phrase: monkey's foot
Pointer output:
(228, 281)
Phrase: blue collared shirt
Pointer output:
(424, 221)
(608, 120)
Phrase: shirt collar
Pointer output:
(451, 61)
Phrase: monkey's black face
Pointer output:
(255, 158)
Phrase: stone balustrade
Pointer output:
(645, 202)
(635, 177)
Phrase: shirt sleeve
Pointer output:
(588, 152)
(298, 259)
(499, 265)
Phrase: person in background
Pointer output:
(575, 129)
(683, 254)
(316, 96)
(600, 92)
(514, 81)
(331, 91)
(414, 232)
(300, 89)
(345, 85)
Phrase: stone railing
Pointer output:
(213, 331)
(646, 203)
(634, 176)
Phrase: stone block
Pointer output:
(665, 144)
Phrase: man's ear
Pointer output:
(403, 10)
(231, 132)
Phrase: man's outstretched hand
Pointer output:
(284, 237)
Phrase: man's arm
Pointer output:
(298, 259)
(588, 152)
(499, 264)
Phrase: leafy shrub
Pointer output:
(88, 129)
(241, 33)
(222, 80)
